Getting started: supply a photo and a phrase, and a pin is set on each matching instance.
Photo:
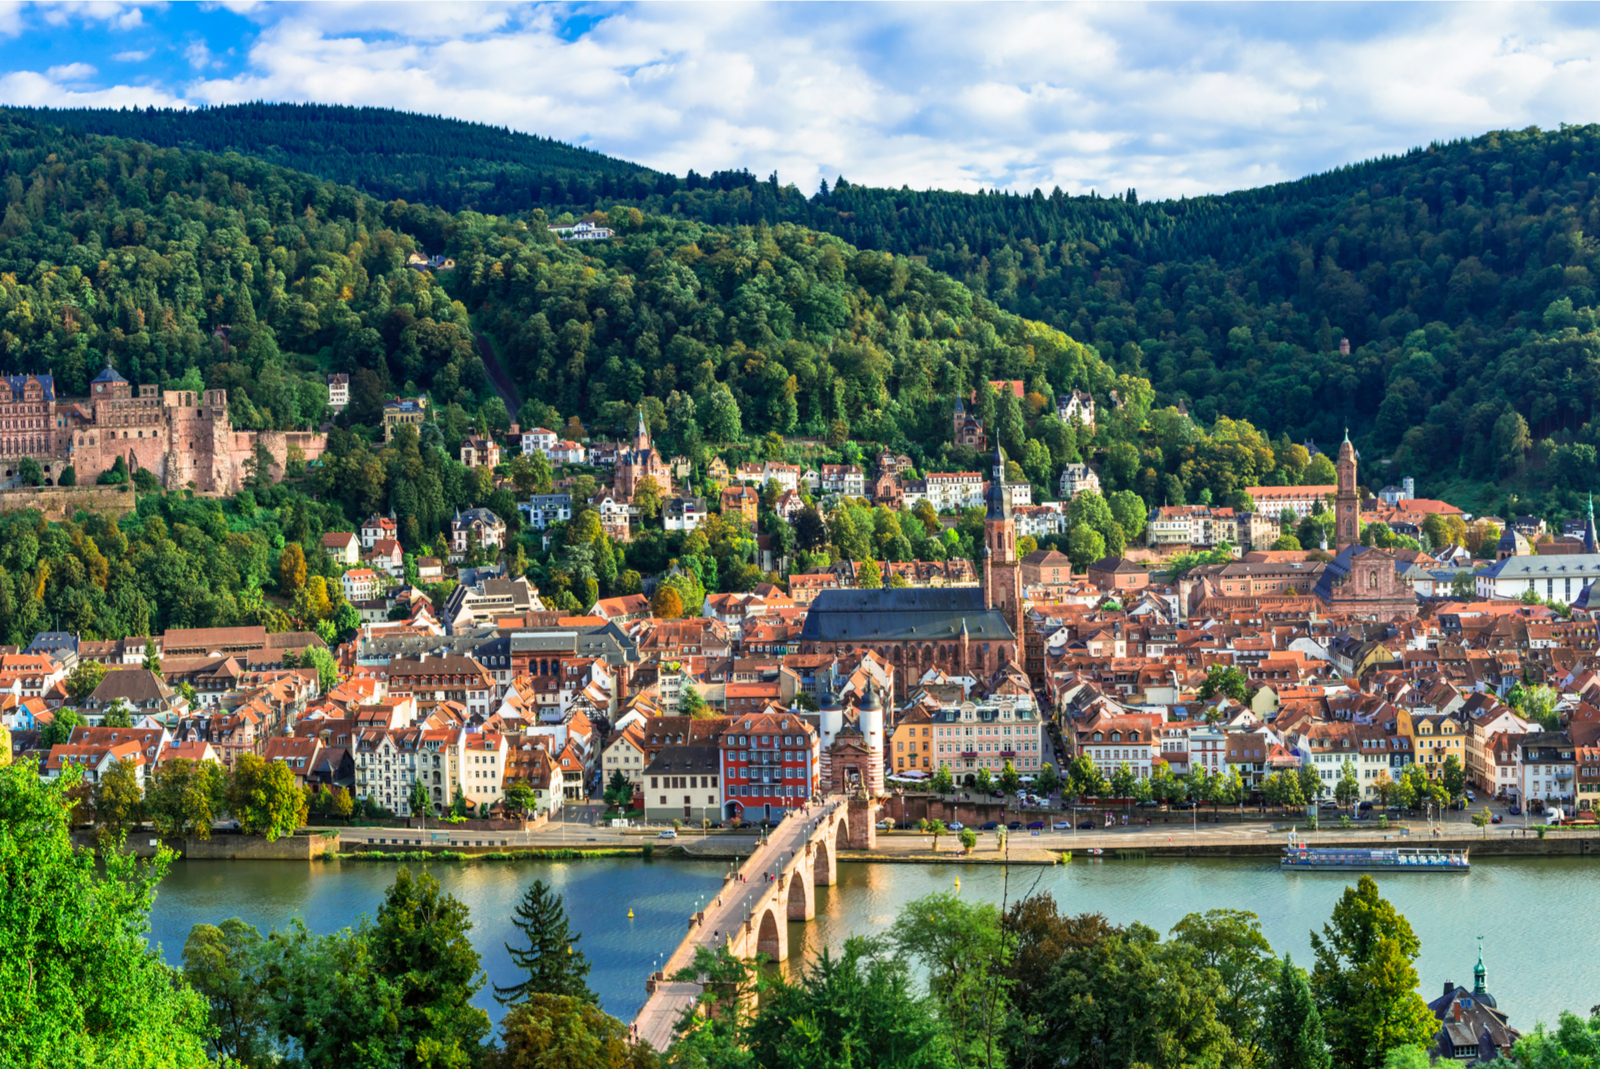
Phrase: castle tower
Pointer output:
(830, 721)
(871, 722)
(1002, 573)
(1347, 502)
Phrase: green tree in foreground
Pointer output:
(964, 950)
(420, 941)
(1365, 982)
(1230, 941)
(220, 961)
(551, 960)
(93, 993)
(561, 1032)
(1573, 1044)
(1291, 1033)
(943, 781)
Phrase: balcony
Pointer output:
(1008, 753)
(969, 754)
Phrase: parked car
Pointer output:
(1515, 810)
(956, 825)
(1061, 825)
(1471, 797)
(1495, 819)
(667, 833)
(989, 825)
(1085, 825)
(1035, 825)
(1183, 805)
(1364, 806)
(885, 825)
(1014, 825)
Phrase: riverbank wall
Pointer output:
(297, 847)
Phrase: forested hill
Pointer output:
(390, 154)
(114, 249)
(1460, 273)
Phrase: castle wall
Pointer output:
(182, 437)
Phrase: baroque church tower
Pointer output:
(1347, 502)
(1002, 572)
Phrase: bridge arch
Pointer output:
(822, 864)
(772, 935)
(841, 835)
(802, 893)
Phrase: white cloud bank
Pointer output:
(1170, 99)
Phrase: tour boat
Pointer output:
(1299, 857)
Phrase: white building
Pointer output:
(539, 440)
(1076, 478)
(338, 392)
(1558, 575)
(544, 509)
(361, 584)
(1075, 407)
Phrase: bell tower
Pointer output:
(1002, 572)
(1347, 502)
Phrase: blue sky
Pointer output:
(1171, 99)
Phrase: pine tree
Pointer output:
(1292, 1033)
(553, 964)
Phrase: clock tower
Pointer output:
(1347, 502)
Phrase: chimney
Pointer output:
(1457, 1008)
(1449, 987)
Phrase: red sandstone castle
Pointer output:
(179, 436)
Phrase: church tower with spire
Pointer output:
(1347, 501)
(1002, 572)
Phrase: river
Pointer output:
(1530, 912)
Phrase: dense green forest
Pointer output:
(390, 154)
(1460, 273)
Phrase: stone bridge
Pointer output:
(750, 916)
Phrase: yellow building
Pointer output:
(911, 746)
(1434, 737)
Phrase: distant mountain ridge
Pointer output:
(390, 154)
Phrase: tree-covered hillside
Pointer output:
(389, 154)
(1460, 273)
(112, 249)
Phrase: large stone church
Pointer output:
(180, 436)
(960, 630)
(1360, 579)
(640, 462)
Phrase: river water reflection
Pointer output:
(1539, 935)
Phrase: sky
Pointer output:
(1172, 100)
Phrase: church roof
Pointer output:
(906, 614)
(109, 374)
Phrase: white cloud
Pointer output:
(71, 72)
(10, 18)
(198, 55)
(1175, 100)
(30, 88)
(118, 16)
(132, 57)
